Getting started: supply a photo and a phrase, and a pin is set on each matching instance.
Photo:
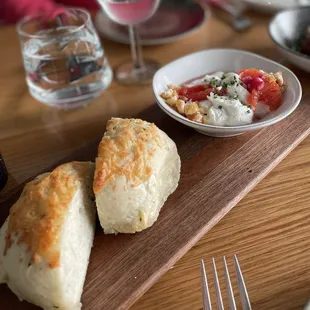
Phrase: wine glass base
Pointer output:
(127, 74)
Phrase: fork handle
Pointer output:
(228, 8)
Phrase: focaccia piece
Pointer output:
(46, 240)
(137, 168)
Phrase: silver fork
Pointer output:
(244, 297)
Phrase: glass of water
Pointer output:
(131, 13)
(64, 61)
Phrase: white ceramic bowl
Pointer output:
(207, 61)
(285, 30)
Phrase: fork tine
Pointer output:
(205, 290)
(219, 300)
(244, 297)
(231, 299)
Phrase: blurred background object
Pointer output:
(172, 20)
(11, 11)
(273, 6)
(3, 173)
(235, 11)
(290, 31)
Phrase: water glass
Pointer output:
(64, 61)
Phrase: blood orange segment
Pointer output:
(186, 90)
(253, 98)
(199, 92)
(221, 92)
(269, 92)
(201, 95)
(252, 72)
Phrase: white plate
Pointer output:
(168, 24)
(272, 6)
(207, 61)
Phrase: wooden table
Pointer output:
(269, 229)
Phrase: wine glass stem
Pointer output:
(136, 50)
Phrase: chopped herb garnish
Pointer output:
(232, 82)
(224, 85)
(249, 106)
(220, 107)
(215, 96)
(248, 111)
(235, 97)
(213, 83)
(224, 76)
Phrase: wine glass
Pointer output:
(131, 13)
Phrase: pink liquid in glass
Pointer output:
(129, 12)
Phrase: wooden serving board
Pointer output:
(216, 174)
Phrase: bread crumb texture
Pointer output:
(37, 217)
(126, 149)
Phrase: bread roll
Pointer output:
(46, 240)
(137, 168)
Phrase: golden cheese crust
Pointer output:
(37, 217)
(126, 149)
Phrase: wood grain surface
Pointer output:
(268, 229)
(215, 175)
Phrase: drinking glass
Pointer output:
(131, 13)
(63, 58)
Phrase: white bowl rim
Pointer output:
(285, 47)
(274, 5)
(251, 126)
